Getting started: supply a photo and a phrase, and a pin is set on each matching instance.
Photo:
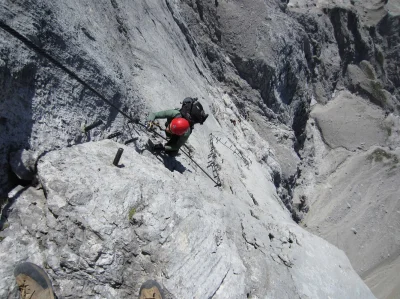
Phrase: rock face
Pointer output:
(361, 215)
(351, 191)
(352, 153)
(101, 230)
(303, 96)
(351, 122)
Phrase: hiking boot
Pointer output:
(173, 153)
(158, 147)
(33, 282)
(155, 148)
(151, 290)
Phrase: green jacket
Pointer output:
(175, 141)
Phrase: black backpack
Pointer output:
(193, 111)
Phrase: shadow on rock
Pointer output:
(17, 81)
(7, 208)
(171, 163)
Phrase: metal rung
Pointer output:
(113, 135)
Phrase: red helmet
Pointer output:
(179, 126)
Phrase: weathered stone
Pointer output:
(350, 122)
(261, 64)
(197, 240)
(22, 164)
(359, 81)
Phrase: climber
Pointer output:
(34, 283)
(179, 125)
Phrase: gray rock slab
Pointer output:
(101, 230)
(383, 280)
(350, 122)
(358, 211)
(370, 11)
(361, 80)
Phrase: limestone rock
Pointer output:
(360, 202)
(257, 67)
(22, 164)
(198, 240)
(350, 122)
(365, 83)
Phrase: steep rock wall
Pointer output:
(350, 157)
(149, 56)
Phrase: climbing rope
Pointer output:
(58, 64)
(40, 51)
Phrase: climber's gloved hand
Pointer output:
(150, 126)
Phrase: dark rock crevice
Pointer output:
(320, 39)
(16, 94)
(388, 53)
(184, 29)
(353, 45)
(259, 76)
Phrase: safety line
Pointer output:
(81, 81)
(58, 64)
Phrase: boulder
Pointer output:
(22, 163)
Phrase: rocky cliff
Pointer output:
(303, 104)
(100, 231)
